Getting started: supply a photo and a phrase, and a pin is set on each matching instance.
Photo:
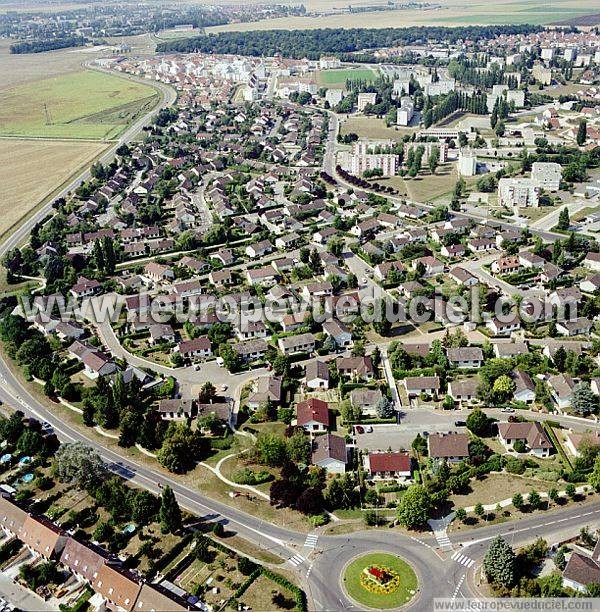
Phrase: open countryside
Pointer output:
(84, 104)
(31, 169)
(444, 12)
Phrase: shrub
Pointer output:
(247, 476)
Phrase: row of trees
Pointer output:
(313, 43)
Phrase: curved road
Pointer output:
(439, 574)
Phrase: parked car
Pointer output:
(369, 429)
(359, 429)
(507, 409)
(460, 423)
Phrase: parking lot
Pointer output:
(412, 422)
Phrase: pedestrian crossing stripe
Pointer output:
(296, 560)
(462, 559)
(311, 541)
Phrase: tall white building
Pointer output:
(334, 96)
(364, 99)
(440, 88)
(405, 112)
(547, 175)
(467, 163)
(518, 192)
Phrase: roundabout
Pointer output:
(380, 581)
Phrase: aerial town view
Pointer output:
(299, 305)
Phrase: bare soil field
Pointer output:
(30, 170)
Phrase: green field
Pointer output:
(338, 78)
(408, 581)
(84, 104)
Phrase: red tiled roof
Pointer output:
(313, 409)
(389, 462)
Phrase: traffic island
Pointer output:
(380, 581)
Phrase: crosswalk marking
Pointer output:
(296, 560)
(462, 559)
(311, 540)
(443, 540)
(457, 589)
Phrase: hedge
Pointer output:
(172, 554)
(557, 445)
(299, 594)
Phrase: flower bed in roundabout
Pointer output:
(380, 581)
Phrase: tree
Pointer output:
(384, 408)
(78, 463)
(270, 450)
(414, 507)
(419, 444)
(559, 559)
(582, 132)
(594, 477)
(298, 448)
(201, 548)
(460, 514)
(584, 401)
(503, 388)
(564, 220)
(499, 563)
(477, 422)
(571, 491)
(169, 513)
(517, 501)
(144, 507)
(434, 158)
(534, 499)
(218, 530)
(519, 446)
(181, 448)
(553, 494)
(479, 510)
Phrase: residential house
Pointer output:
(416, 385)
(582, 570)
(330, 453)
(313, 415)
(317, 375)
(561, 390)
(366, 400)
(388, 465)
(339, 332)
(302, 343)
(465, 357)
(251, 350)
(464, 390)
(197, 348)
(524, 387)
(577, 441)
(266, 389)
(452, 447)
(176, 409)
(355, 367)
(531, 434)
(504, 328)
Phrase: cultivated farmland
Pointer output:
(31, 169)
(84, 104)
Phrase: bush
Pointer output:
(515, 465)
(247, 476)
(318, 520)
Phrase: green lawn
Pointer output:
(404, 593)
(339, 77)
(84, 104)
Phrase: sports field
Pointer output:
(31, 169)
(338, 78)
(85, 104)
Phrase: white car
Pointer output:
(220, 362)
(364, 281)
(223, 387)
